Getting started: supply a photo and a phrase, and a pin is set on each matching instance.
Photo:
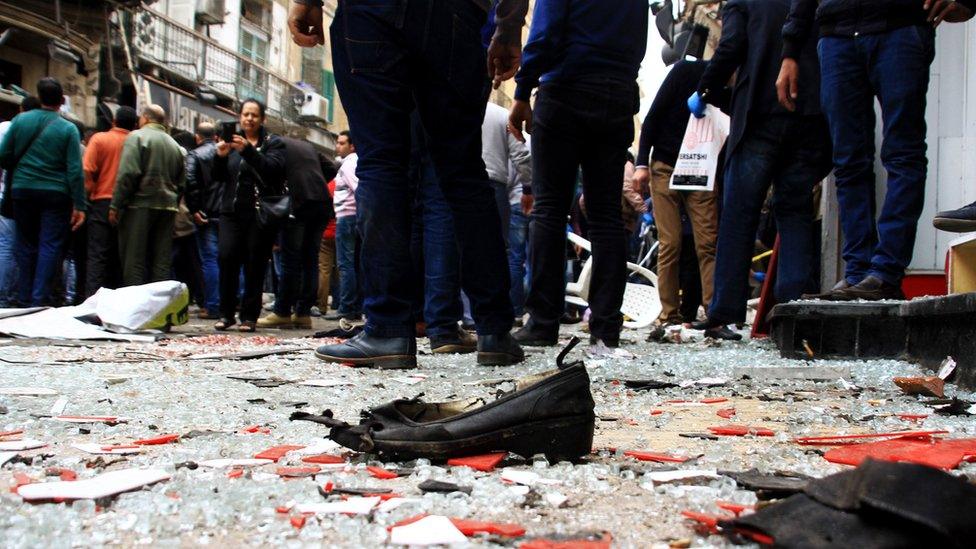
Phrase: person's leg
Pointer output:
(309, 253)
(100, 240)
(801, 166)
(290, 282)
(603, 170)
(666, 205)
(230, 247)
(133, 236)
(702, 208)
(260, 241)
(27, 217)
(327, 258)
(747, 178)
(689, 279)
(161, 235)
(207, 248)
(346, 262)
(848, 103)
(8, 261)
(557, 147)
(504, 210)
(900, 77)
(78, 250)
(442, 276)
(55, 228)
(517, 256)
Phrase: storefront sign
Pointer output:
(184, 111)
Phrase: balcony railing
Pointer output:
(183, 52)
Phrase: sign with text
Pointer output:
(697, 162)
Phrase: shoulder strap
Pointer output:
(33, 139)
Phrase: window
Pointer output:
(253, 82)
(257, 12)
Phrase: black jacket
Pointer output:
(202, 191)
(664, 125)
(750, 47)
(239, 174)
(849, 18)
(308, 173)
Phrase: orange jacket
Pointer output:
(101, 163)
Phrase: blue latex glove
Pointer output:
(696, 105)
(647, 218)
(759, 276)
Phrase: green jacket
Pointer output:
(53, 162)
(152, 173)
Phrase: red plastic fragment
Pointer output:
(659, 458)
(6, 434)
(913, 417)
(472, 527)
(298, 521)
(708, 522)
(833, 440)
(110, 420)
(381, 473)
(163, 439)
(676, 402)
(328, 487)
(741, 430)
(324, 459)
(282, 509)
(297, 472)
(251, 429)
(938, 453)
(276, 452)
(62, 473)
(725, 413)
(20, 479)
(235, 473)
(713, 400)
(737, 508)
(656, 412)
(602, 543)
(485, 463)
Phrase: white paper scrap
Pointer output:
(27, 391)
(19, 445)
(59, 406)
(393, 503)
(526, 478)
(351, 506)
(106, 449)
(222, 463)
(430, 530)
(324, 382)
(108, 484)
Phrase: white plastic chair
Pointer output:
(641, 305)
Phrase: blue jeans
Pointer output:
(43, 223)
(207, 246)
(436, 260)
(894, 67)
(518, 235)
(350, 297)
(790, 153)
(390, 58)
(8, 263)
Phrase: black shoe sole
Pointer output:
(388, 362)
(951, 225)
(560, 439)
(498, 359)
(709, 335)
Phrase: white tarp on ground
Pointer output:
(126, 310)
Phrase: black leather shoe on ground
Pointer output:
(531, 336)
(611, 343)
(962, 220)
(499, 350)
(832, 294)
(722, 332)
(549, 413)
(871, 289)
(459, 342)
(387, 353)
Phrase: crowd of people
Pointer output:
(443, 212)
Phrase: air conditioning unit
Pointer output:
(315, 108)
(210, 12)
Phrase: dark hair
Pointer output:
(50, 92)
(185, 139)
(30, 103)
(261, 106)
(348, 135)
(126, 118)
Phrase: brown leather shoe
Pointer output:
(831, 295)
(871, 288)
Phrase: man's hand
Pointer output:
(527, 202)
(223, 148)
(503, 61)
(788, 84)
(642, 178)
(305, 23)
(946, 10)
(77, 219)
(113, 217)
(520, 119)
(199, 219)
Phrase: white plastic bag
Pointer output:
(697, 162)
(156, 306)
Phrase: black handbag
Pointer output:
(271, 210)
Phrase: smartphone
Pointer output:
(228, 130)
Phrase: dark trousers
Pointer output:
(391, 57)
(43, 224)
(146, 245)
(894, 67)
(104, 265)
(790, 153)
(301, 237)
(573, 129)
(187, 267)
(242, 244)
(689, 279)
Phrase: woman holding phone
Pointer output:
(250, 165)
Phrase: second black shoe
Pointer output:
(962, 220)
(549, 413)
(499, 350)
(387, 353)
(722, 332)
(460, 341)
(532, 336)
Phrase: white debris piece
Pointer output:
(430, 530)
